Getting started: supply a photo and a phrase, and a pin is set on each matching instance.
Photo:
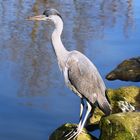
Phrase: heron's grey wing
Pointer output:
(85, 78)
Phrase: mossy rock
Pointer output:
(121, 126)
(130, 94)
(60, 132)
(128, 70)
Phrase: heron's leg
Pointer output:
(86, 116)
(81, 112)
(80, 119)
(79, 130)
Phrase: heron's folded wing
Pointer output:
(84, 77)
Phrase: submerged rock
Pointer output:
(121, 126)
(59, 133)
(128, 70)
(124, 99)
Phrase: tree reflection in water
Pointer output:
(27, 45)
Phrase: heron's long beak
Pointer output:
(38, 18)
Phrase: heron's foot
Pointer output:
(67, 134)
(73, 134)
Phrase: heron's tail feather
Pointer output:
(104, 104)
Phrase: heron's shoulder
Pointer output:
(78, 57)
(76, 53)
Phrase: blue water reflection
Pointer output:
(33, 98)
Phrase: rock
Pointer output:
(123, 99)
(128, 70)
(121, 126)
(60, 132)
(127, 96)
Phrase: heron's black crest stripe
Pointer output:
(50, 11)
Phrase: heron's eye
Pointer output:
(45, 13)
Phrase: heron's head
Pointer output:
(49, 14)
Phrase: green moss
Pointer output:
(131, 94)
(121, 126)
(95, 118)
(122, 92)
(59, 133)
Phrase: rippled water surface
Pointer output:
(33, 98)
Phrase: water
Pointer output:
(33, 98)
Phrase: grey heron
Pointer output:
(80, 74)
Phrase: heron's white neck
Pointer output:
(59, 48)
